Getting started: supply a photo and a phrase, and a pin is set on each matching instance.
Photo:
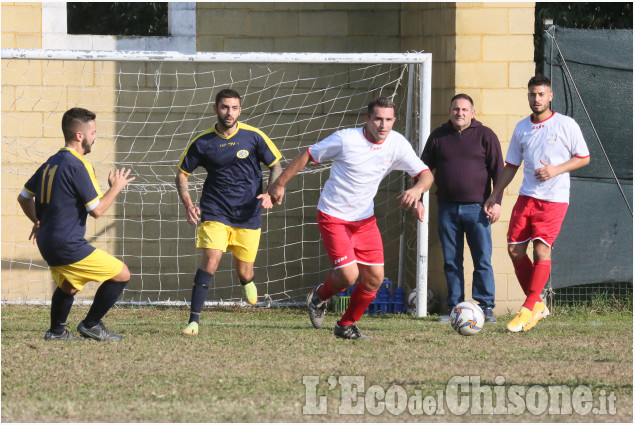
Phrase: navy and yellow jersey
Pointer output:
(65, 189)
(234, 177)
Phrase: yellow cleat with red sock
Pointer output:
(520, 321)
(539, 312)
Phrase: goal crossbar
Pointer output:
(236, 57)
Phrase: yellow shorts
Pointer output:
(243, 243)
(99, 266)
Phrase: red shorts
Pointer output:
(347, 242)
(535, 219)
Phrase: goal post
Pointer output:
(149, 105)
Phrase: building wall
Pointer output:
(482, 49)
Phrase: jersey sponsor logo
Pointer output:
(536, 127)
(375, 148)
(242, 154)
(552, 138)
(339, 260)
(387, 159)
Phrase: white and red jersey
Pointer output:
(359, 166)
(553, 141)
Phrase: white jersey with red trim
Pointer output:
(359, 166)
(553, 141)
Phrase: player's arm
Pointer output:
(505, 179)
(182, 187)
(274, 172)
(276, 189)
(117, 180)
(28, 206)
(411, 196)
(550, 171)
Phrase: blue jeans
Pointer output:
(456, 220)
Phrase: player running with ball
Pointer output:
(551, 145)
(361, 157)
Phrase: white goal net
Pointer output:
(149, 105)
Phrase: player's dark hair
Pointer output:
(227, 94)
(72, 118)
(539, 80)
(462, 96)
(380, 102)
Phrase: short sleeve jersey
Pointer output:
(65, 189)
(553, 141)
(359, 166)
(234, 177)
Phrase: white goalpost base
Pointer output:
(149, 105)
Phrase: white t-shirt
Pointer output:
(359, 166)
(554, 141)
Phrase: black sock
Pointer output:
(106, 296)
(61, 304)
(202, 280)
(245, 283)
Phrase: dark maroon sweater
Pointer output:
(466, 162)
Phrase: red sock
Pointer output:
(359, 302)
(327, 289)
(524, 269)
(542, 269)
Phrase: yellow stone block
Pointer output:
(440, 21)
(500, 292)
(508, 5)
(497, 123)
(8, 98)
(520, 73)
(28, 41)
(521, 20)
(8, 41)
(21, 72)
(22, 124)
(40, 98)
(513, 120)
(22, 18)
(68, 73)
(480, 21)
(504, 101)
(515, 291)
(469, 48)
(508, 48)
(481, 74)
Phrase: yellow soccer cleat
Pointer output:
(190, 329)
(539, 312)
(521, 320)
(250, 293)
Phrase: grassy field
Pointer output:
(247, 365)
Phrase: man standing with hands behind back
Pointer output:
(468, 161)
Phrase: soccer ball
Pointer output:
(467, 318)
(412, 301)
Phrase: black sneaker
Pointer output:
(64, 336)
(489, 315)
(317, 307)
(348, 332)
(446, 317)
(99, 332)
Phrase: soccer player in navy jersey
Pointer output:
(58, 199)
(232, 199)
(361, 157)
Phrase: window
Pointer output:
(128, 19)
(63, 30)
